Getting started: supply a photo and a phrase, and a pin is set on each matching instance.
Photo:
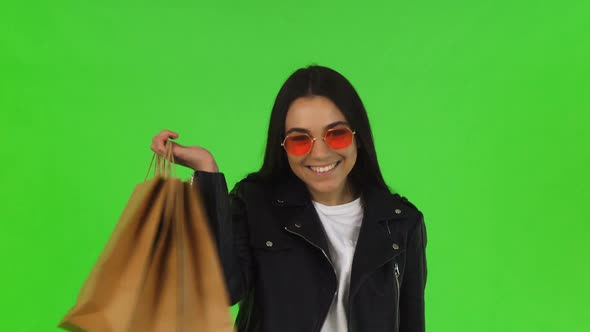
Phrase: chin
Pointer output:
(327, 187)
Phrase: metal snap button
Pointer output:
(395, 246)
(398, 211)
(268, 243)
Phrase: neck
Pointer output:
(343, 196)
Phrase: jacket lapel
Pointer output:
(306, 224)
(301, 217)
(375, 245)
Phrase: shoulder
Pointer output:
(383, 204)
(384, 197)
(415, 219)
(406, 202)
(408, 209)
(250, 186)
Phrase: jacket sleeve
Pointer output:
(227, 219)
(414, 281)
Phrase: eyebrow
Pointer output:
(330, 126)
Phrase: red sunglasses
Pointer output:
(300, 143)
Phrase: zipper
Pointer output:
(331, 265)
(397, 274)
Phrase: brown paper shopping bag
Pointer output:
(159, 271)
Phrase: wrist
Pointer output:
(198, 159)
(205, 165)
(210, 167)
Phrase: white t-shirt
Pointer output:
(342, 224)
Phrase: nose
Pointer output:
(319, 149)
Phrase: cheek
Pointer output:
(351, 155)
(294, 162)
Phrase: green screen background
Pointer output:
(479, 109)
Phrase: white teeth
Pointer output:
(323, 169)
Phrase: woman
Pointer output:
(314, 241)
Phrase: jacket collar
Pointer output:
(290, 192)
(378, 205)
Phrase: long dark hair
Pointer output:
(326, 82)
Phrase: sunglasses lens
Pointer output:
(298, 144)
(339, 138)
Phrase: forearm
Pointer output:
(197, 158)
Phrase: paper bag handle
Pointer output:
(165, 165)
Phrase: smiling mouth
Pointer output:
(324, 169)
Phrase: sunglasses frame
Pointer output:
(313, 139)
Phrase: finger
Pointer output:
(160, 146)
(169, 133)
(168, 142)
(163, 136)
(161, 139)
(156, 149)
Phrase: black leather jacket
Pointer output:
(275, 257)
